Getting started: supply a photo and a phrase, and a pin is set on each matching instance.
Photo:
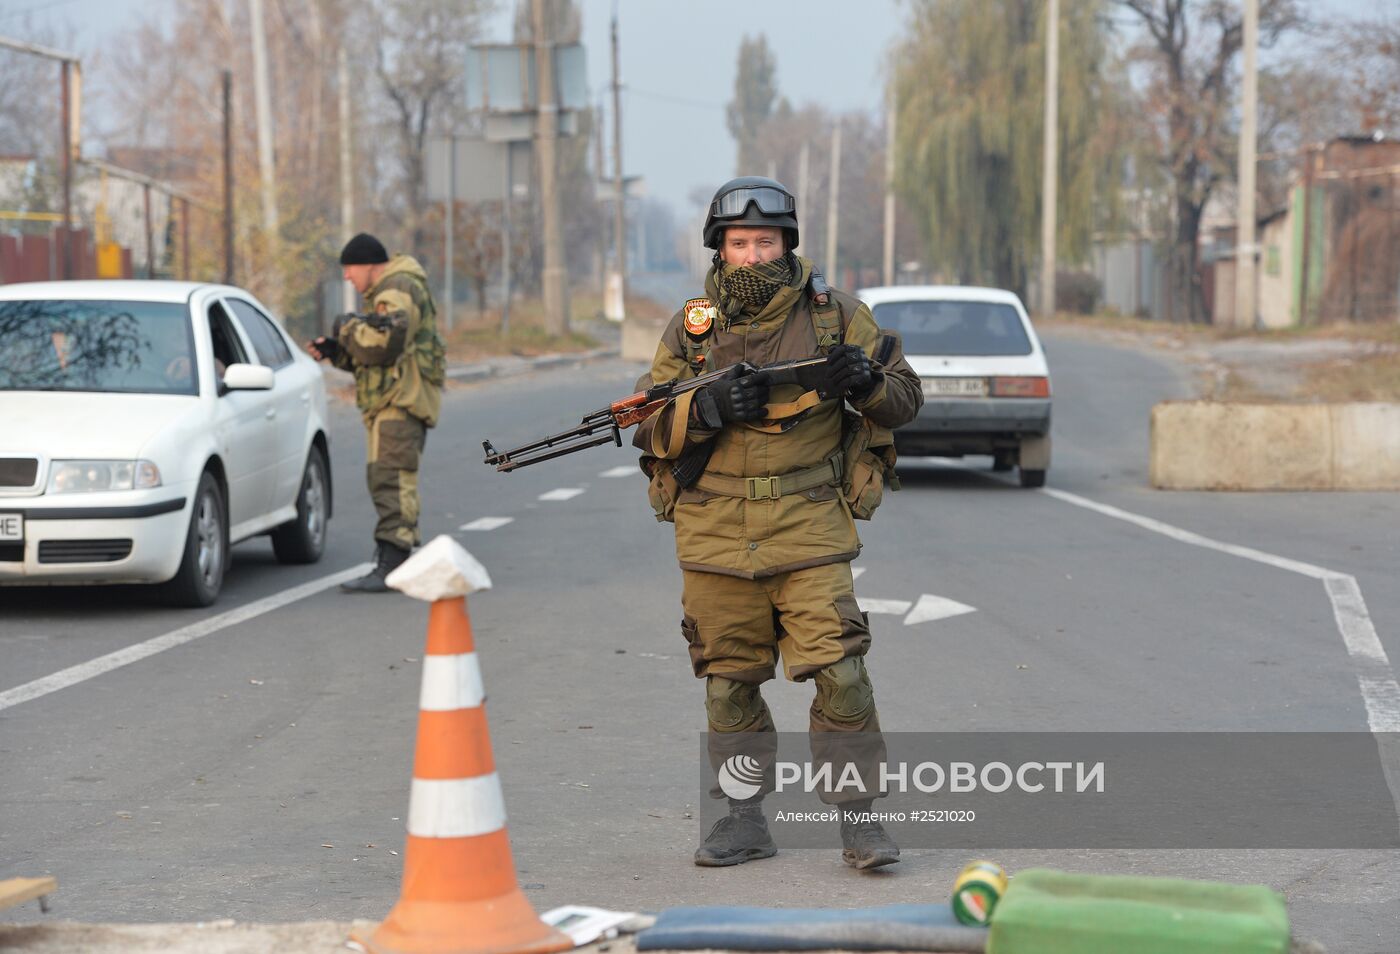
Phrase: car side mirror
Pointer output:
(248, 377)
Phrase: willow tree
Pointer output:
(970, 88)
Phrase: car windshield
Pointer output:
(141, 347)
(955, 327)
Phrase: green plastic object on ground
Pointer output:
(1054, 912)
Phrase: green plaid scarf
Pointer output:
(751, 287)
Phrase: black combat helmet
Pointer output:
(754, 201)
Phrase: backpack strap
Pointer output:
(826, 313)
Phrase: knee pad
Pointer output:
(732, 706)
(844, 692)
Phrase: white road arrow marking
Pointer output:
(622, 472)
(486, 523)
(562, 493)
(932, 607)
(890, 607)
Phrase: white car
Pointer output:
(986, 383)
(146, 427)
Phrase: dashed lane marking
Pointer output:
(622, 472)
(562, 493)
(856, 571)
(486, 523)
(185, 634)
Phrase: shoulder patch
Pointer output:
(700, 314)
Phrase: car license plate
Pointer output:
(955, 387)
(11, 528)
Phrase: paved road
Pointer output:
(261, 772)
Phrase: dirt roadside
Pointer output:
(1335, 363)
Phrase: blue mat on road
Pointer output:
(894, 927)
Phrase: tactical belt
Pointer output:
(771, 488)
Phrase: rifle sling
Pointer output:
(828, 472)
(668, 444)
(775, 414)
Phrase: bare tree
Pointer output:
(418, 48)
(1190, 50)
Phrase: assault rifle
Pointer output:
(607, 424)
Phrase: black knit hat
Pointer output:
(363, 249)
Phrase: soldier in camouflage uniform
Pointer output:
(397, 358)
(764, 490)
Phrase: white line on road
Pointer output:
(562, 493)
(1379, 689)
(856, 571)
(486, 523)
(930, 608)
(622, 472)
(159, 644)
(888, 607)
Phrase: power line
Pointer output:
(666, 98)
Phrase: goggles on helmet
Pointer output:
(770, 201)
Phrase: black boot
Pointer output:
(386, 561)
(864, 842)
(740, 836)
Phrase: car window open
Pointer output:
(139, 347)
(955, 327)
(227, 348)
(267, 341)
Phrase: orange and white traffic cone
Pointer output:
(459, 893)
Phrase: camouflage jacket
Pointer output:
(753, 539)
(395, 351)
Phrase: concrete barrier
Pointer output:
(1211, 445)
(640, 337)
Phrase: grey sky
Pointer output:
(678, 60)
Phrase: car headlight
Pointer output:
(89, 476)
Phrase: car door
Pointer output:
(244, 427)
(291, 396)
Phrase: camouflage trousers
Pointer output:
(736, 629)
(396, 440)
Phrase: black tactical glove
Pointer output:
(328, 348)
(732, 399)
(851, 373)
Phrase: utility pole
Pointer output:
(833, 198)
(150, 234)
(889, 188)
(1244, 230)
(555, 276)
(67, 177)
(1050, 164)
(447, 290)
(262, 99)
(347, 192)
(620, 198)
(804, 174)
(228, 176)
(600, 248)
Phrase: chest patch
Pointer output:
(700, 314)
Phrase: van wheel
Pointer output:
(303, 540)
(201, 573)
(1032, 478)
(1003, 459)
